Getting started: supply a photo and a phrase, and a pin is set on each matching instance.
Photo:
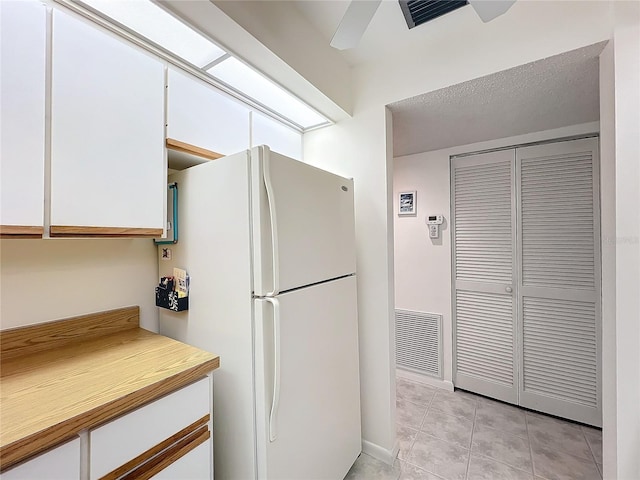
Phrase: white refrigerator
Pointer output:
(268, 243)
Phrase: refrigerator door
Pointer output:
(307, 382)
(303, 223)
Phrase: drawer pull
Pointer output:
(162, 451)
(171, 455)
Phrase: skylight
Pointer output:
(152, 22)
(246, 80)
(149, 20)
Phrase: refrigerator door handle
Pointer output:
(275, 402)
(274, 230)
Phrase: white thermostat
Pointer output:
(434, 222)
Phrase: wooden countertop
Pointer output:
(63, 377)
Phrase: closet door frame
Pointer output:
(538, 402)
(524, 398)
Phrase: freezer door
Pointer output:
(307, 382)
(303, 223)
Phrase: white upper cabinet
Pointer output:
(108, 166)
(278, 137)
(204, 117)
(22, 122)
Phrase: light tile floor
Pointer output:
(461, 436)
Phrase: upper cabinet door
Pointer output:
(204, 117)
(278, 137)
(108, 166)
(22, 72)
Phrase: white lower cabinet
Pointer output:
(168, 438)
(59, 463)
(172, 432)
(193, 466)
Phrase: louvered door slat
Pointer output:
(483, 232)
(485, 352)
(546, 348)
(558, 251)
(549, 184)
(483, 221)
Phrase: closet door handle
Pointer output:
(508, 290)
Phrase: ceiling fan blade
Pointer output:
(487, 10)
(353, 24)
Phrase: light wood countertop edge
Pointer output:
(36, 443)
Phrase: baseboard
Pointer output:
(427, 380)
(382, 454)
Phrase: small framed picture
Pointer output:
(407, 203)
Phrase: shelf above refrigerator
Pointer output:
(183, 155)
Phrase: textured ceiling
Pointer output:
(551, 93)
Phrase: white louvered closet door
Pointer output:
(483, 228)
(559, 282)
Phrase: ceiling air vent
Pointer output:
(417, 12)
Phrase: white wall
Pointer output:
(423, 265)
(620, 202)
(344, 153)
(608, 252)
(626, 49)
(529, 31)
(44, 280)
(359, 147)
(274, 24)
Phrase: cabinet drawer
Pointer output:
(195, 465)
(60, 463)
(121, 440)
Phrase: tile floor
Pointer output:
(461, 436)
